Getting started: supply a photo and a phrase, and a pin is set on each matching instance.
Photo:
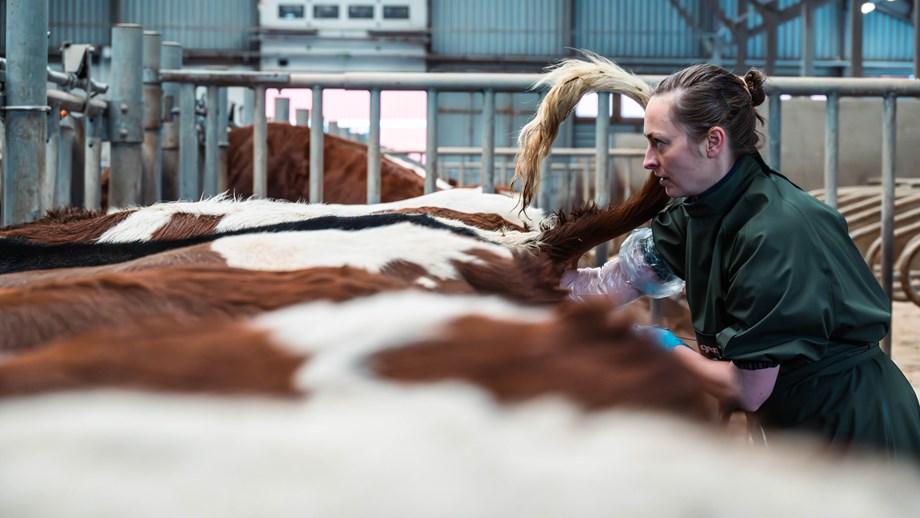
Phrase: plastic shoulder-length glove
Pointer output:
(636, 271)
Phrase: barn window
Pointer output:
(361, 11)
(325, 11)
(290, 12)
(396, 12)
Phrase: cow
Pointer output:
(406, 404)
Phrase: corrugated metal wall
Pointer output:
(196, 24)
(650, 28)
(79, 21)
(488, 27)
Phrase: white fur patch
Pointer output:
(370, 249)
(239, 214)
(416, 452)
(340, 336)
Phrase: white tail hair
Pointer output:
(569, 81)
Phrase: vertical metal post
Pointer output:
(831, 148)
(151, 179)
(856, 39)
(373, 150)
(126, 113)
(808, 39)
(64, 177)
(92, 163)
(282, 110)
(52, 152)
(212, 143)
(301, 117)
(487, 165)
(26, 109)
(259, 144)
(889, 137)
(223, 138)
(916, 19)
(431, 143)
(776, 131)
(602, 164)
(170, 59)
(189, 188)
(546, 173)
(317, 141)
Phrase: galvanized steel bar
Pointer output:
(856, 39)
(25, 112)
(808, 39)
(170, 57)
(92, 164)
(76, 103)
(225, 78)
(487, 171)
(301, 117)
(889, 137)
(125, 115)
(282, 110)
(223, 138)
(52, 152)
(831, 148)
(64, 177)
(431, 143)
(776, 131)
(189, 188)
(373, 149)
(317, 142)
(601, 145)
(601, 164)
(211, 143)
(916, 19)
(259, 144)
(151, 179)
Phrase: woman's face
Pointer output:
(680, 164)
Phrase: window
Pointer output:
(396, 12)
(290, 12)
(325, 11)
(361, 11)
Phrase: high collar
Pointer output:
(721, 196)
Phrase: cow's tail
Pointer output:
(568, 81)
(574, 234)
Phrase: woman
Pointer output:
(787, 314)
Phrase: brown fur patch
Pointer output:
(585, 354)
(41, 312)
(157, 355)
(344, 166)
(476, 219)
(53, 231)
(525, 277)
(184, 225)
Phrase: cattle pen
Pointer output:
(150, 90)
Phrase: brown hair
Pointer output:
(711, 96)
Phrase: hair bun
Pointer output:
(753, 81)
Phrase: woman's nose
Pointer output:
(651, 160)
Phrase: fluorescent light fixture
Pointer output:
(867, 7)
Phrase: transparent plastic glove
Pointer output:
(607, 280)
(661, 337)
(644, 267)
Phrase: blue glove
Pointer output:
(662, 337)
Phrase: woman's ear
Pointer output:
(715, 141)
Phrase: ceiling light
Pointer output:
(867, 7)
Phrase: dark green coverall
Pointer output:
(773, 278)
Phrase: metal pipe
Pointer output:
(259, 144)
(92, 164)
(152, 165)
(831, 148)
(317, 142)
(601, 164)
(373, 149)
(282, 110)
(223, 138)
(52, 152)
(189, 188)
(431, 143)
(71, 81)
(302, 117)
(487, 171)
(25, 112)
(76, 103)
(125, 115)
(64, 177)
(211, 143)
(776, 131)
(170, 57)
(889, 137)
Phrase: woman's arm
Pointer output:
(733, 387)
